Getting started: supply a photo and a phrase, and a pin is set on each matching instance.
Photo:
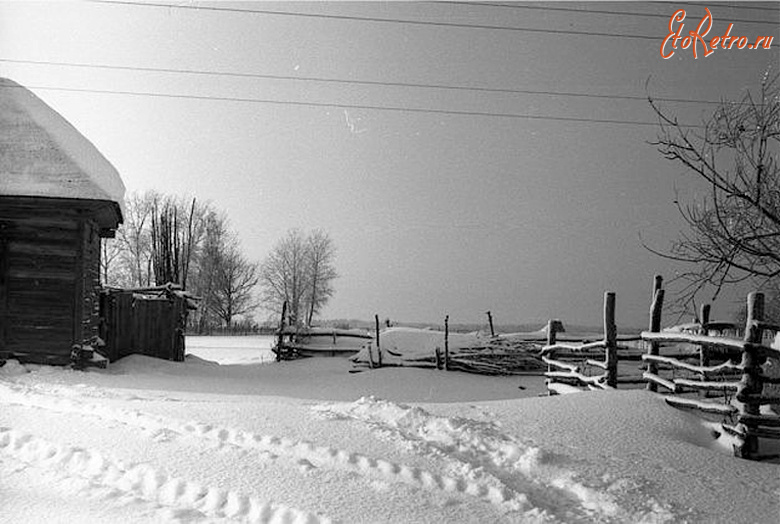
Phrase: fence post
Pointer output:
(552, 332)
(447, 343)
(656, 308)
(751, 385)
(490, 321)
(704, 352)
(610, 338)
(280, 341)
(378, 347)
(370, 356)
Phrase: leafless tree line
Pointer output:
(188, 242)
(167, 239)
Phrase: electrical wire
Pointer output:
(357, 82)
(375, 19)
(346, 106)
(588, 11)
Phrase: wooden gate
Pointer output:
(145, 321)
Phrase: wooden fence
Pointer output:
(592, 365)
(703, 368)
(737, 375)
(148, 321)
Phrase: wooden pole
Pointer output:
(610, 338)
(447, 343)
(378, 347)
(370, 356)
(490, 321)
(552, 332)
(437, 354)
(658, 283)
(704, 352)
(704, 317)
(656, 308)
(280, 341)
(552, 327)
(751, 385)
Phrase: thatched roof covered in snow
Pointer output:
(42, 155)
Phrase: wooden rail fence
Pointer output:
(592, 365)
(737, 377)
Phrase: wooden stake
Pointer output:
(447, 343)
(490, 321)
(552, 332)
(751, 384)
(280, 342)
(658, 283)
(552, 327)
(704, 318)
(656, 308)
(378, 347)
(370, 357)
(610, 338)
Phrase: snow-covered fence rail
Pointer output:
(742, 381)
(572, 368)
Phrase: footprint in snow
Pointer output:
(305, 465)
(163, 435)
(268, 455)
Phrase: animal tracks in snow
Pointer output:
(483, 452)
(306, 456)
(146, 483)
(480, 460)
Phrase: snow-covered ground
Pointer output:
(307, 441)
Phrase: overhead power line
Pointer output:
(378, 83)
(344, 106)
(730, 6)
(590, 11)
(375, 19)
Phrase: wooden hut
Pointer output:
(58, 197)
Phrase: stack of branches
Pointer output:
(496, 356)
(499, 357)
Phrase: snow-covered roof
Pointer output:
(43, 155)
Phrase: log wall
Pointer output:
(48, 278)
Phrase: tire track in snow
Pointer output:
(305, 454)
(482, 448)
(146, 483)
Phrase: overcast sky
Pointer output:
(530, 205)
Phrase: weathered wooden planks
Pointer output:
(48, 276)
(134, 323)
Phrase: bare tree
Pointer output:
(207, 259)
(176, 229)
(320, 253)
(234, 281)
(132, 268)
(299, 271)
(733, 232)
(283, 276)
(111, 273)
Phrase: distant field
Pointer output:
(253, 349)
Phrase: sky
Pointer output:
(518, 195)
